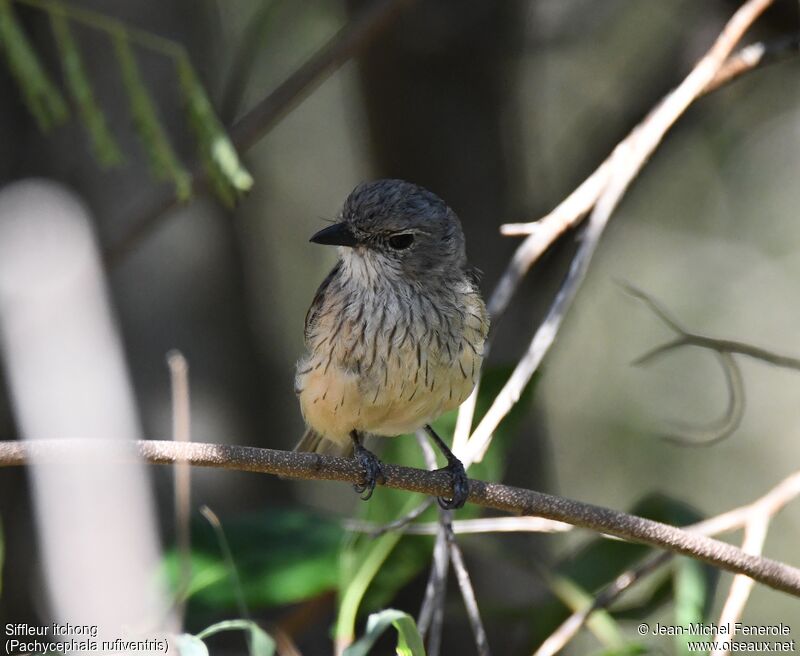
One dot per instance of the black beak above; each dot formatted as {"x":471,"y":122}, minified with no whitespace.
{"x":338,"y":234}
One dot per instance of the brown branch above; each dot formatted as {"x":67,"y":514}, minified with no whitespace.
{"x":312,"y":466}
{"x":344,"y":45}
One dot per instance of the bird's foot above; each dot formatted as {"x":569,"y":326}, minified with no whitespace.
{"x":460,"y":482}
{"x":373,"y":471}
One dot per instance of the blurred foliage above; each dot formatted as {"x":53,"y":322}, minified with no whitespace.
{"x":282,"y":556}
{"x":105,"y":147}
{"x":41,"y":96}
{"x":163,"y":161}
{"x":229,"y":178}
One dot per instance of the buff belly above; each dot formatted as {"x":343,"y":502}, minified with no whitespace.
{"x":392,"y":400}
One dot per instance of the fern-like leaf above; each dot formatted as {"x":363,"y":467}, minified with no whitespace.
{"x":227,"y":174}
{"x":105,"y":147}
{"x":40,"y":94}
{"x":163,"y":160}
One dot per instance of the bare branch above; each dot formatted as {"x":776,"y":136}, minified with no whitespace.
{"x":473,"y":526}
{"x":755,"y":532}
{"x":465,"y":585}
{"x":756,"y":55}
{"x":312,"y":466}
{"x":181,"y":432}
{"x":687,"y":338}
{"x":603,"y":190}
{"x":431,"y":614}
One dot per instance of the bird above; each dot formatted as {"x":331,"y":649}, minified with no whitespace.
{"x":395,"y":333}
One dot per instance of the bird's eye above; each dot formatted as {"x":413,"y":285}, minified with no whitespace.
{"x":402,"y":241}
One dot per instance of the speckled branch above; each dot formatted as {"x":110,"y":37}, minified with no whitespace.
{"x":311,"y":466}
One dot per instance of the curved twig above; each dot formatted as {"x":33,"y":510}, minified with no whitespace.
{"x":731,"y":419}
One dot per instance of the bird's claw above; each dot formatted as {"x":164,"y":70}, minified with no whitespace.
{"x":373,"y":472}
{"x":460,"y":483}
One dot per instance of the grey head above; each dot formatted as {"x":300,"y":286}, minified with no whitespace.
{"x":398,"y":228}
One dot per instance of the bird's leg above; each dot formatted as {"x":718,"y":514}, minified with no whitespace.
{"x":368,"y":461}
{"x":456,"y":471}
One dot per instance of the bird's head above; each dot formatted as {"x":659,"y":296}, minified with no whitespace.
{"x":396,"y":228}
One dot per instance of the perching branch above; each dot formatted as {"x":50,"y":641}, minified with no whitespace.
{"x":312,"y":466}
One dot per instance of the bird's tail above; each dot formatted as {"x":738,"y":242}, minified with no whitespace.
{"x":313,"y":442}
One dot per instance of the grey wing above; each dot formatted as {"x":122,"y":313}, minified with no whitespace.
{"x":319,"y":298}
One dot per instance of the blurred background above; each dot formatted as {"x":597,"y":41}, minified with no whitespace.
{"x":500,"y":108}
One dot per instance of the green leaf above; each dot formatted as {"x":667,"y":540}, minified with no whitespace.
{"x":367,"y":561}
{"x":40,"y":94}
{"x":409,"y":641}
{"x":227,"y":174}
{"x":163,"y":160}
{"x":259,"y":641}
{"x":282,"y":556}
{"x":691,"y":597}
{"x":189,"y":645}
{"x":104,"y":145}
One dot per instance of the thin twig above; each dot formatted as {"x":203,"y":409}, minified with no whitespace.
{"x":724,"y":349}
{"x":687,"y":338}
{"x":506,"y":498}
{"x":431,"y":614}
{"x":756,"y":55}
{"x":402,"y":522}
{"x":726,"y":425}
{"x":227,"y":556}
{"x":473,"y":526}
{"x":620,"y":169}
{"x":567,"y":630}
{"x":345,"y":44}
{"x":181,"y":432}
{"x":465,"y":585}
{"x":766,"y":506}
{"x":755,"y":533}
